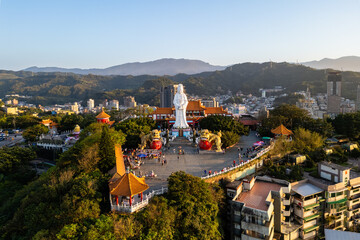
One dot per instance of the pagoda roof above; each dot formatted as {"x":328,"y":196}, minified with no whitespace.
{"x":281,"y":130}
{"x":128,"y":185}
{"x":102,"y":115}
{"x":166,"y":110}
{"x":195,"y":106}
{"x":46,"y":121}
{"x":215,"y":110}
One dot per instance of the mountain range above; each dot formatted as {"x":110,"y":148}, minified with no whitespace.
{"x":161,"y":67}
{"x":349,"y":63}
{"x":56,"y":87}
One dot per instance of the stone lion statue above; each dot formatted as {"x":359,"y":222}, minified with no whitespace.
{"x":148,"y":138}
{"x":211,"y":137}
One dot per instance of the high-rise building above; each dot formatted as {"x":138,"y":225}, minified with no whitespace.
{"x":129,"y":102}
{"x":90,"y":104}
{"x":113,"y":104}
{"x":167,"y":96}
{"x":334,"y":93}
{"x":74,"y":107}
{"x":210,"y":102}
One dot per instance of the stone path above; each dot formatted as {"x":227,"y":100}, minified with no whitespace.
{"x":193,"y":163}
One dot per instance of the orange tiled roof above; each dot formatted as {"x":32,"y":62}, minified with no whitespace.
{"x":281,"y":130}
{"x":103,"y":115}
{"x":195,"y":106}
{"x":46,"y":121}
{"x":215,"y":110}
{"x":163,"y":111}
{"x":128,"y":185}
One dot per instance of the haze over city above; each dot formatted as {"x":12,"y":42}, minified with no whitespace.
{"x":99,"y":34}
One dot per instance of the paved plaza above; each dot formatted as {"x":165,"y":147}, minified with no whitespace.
{"x":192,"y":162}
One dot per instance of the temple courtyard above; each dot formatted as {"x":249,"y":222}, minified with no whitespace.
{"x":192,"y":162}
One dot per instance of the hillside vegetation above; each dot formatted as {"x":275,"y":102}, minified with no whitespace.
{"x":247,"y":77}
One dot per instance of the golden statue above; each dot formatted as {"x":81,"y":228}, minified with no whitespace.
{"x":148,"y":138}
{"x":205,"y":134}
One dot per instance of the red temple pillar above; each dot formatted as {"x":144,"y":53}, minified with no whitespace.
{"x":141,"y":196}
{"x":130,"y":201}
{"x":117,"y":200}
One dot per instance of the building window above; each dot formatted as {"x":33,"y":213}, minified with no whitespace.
{"x":237,"y":213}
{"x":237,"y":226}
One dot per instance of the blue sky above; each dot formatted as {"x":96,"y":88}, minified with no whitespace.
{"x":94,"y":33}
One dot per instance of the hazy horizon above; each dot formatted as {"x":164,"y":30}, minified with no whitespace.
{"x":93,"y":34}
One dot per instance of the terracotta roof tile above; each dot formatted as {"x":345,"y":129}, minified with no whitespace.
{"x":215,"y":110}
{"x":195,"y":106}
{"x":281,"y":130}
{"x":128,"y":185}
{"x":163,"y":111}
{"x":103,"y":115}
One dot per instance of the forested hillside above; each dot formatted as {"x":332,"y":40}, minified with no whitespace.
{"x":247,"y":77}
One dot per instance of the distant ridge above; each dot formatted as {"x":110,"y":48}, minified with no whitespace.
{"x":165,"y":66}
{"x":348,"y":63}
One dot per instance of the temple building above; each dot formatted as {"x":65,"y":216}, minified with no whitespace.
{"x":281,"y":131}
{"x":103,"y":117}
{"x":195,"y":110}
{"x":126,"y":189}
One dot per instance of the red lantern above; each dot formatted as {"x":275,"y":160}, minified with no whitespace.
{"x":205,"y":145}
{"x":156,"y":144}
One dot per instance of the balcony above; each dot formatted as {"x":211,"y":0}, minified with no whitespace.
{"x":286,"y":202}
{"x":311,"y":206}
{"x":265,"y":230}
{"x":286,"y":213}
{"x":310,"y":202}
{"x":310,"y":229}
{"x":306,"y":219}
{"x":343,"y":208}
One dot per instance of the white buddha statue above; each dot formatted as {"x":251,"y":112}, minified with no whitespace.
{"x":180,"y":103}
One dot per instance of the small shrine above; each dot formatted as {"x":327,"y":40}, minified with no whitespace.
{"x":281,"y":131}
{"x":126,"y":189}
{"x":76,"y":131}
{"x":103,"y":117}
{"x":51,"y":125}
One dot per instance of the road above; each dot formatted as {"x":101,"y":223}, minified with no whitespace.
{"x":12,"y":139}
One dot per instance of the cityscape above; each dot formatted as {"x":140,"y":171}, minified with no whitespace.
{"x":240,"y":134}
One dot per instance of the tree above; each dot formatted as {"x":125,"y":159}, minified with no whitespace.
{"x":348,"y":124}
{"x":26,"y":121}
{"x":229,"y":138}
{"x":11,"y":158}
{"x":31,"y":134}
{"x":68,"y":122}
{"x":158,"y":220}
{"x":196,"y":205}
{"x":293,"y":117}
{"x":230,"y":129}
{"x":133,"y":128}
{"x":306,"y":141}
{"x":106,"y":150}
{"x":223,"y":123}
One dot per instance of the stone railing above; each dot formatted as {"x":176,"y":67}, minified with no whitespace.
{"x":49,"y":145}
{"x":258,"y":155}
{"x":137,"y":206}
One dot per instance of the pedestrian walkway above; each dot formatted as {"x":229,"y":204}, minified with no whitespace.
{"x":194,"y":163}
